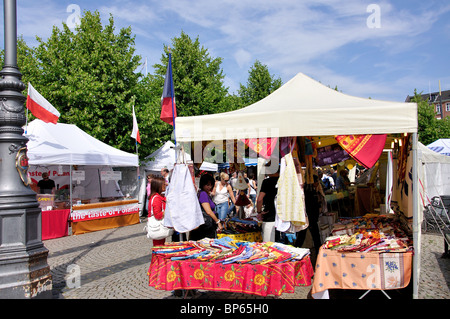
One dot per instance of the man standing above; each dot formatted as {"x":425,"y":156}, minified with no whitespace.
{"x":46,"y":185}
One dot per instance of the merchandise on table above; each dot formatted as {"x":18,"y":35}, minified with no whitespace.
{"x":226,"y":250}
{"x":377,"y":233}
{"x":240,"y":226}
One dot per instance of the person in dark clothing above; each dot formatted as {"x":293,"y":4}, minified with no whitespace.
{"x":312,"y":205}
{"x":265,"y":205}
{"x":46,"y":185}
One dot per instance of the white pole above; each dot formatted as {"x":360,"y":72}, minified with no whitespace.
{"x":416,"y":222}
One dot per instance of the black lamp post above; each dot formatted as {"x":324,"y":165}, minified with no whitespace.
{"x":24,"y":272}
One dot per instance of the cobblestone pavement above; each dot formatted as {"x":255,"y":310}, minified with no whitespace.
{"x":113,"y":264}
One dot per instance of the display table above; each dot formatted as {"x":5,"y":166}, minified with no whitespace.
{"x":100,"y":216}
{"x":262,"y":280}
{"x":356,"y":270}
{"x":55,"y":223}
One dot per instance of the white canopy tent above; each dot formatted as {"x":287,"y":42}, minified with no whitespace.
{"x":436,"y":172}
{"x":66,"y":144}
{"x":301,"y":107}
{"x":51,"y":146}
{"x":163,"y":157}
{"x":441,"y":146}
{"x":305,"y":107}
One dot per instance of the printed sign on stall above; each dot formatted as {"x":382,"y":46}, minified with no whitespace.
{"x":103,"y":212}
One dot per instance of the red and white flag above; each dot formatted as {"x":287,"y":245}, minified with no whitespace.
{"x":40,"y":107}
{"x":135,"y":132}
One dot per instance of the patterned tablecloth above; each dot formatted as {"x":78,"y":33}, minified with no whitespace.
{"x":365,"y":271}
{"x":262,"y":280}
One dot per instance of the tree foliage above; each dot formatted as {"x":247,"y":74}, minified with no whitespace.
{"x":88,"y":75}
{"x":260,"y":83}
{"x":430,"y":129}
{"x":198,"y":86}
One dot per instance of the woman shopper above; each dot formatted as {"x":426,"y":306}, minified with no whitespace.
{"x":157,"y":203}
{"x":208,"y":229}
{"x":222,"y":193}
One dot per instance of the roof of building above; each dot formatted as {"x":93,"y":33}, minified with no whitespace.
{"x":432,"y":97}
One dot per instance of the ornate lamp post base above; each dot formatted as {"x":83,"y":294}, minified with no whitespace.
{"x":24,"y":272}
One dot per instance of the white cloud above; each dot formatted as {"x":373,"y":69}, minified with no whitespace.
{"x":242,"y":57}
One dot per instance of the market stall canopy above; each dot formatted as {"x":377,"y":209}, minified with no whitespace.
{"x":441,"y":146}
{"x":163,"y":157}
{"x":210,"y":167}
{"x":436,"y":171}
{"x":301,"y":107}
{"x":66,"y":144}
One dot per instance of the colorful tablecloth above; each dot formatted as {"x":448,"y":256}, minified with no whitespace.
{"x":366,"y":271}
{"x":262,"y":280}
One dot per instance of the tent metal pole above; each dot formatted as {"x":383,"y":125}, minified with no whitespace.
{"x":416,"y":222}
{"x":70,"y":189}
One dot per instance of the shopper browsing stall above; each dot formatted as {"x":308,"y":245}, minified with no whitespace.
{"x":157,"y":203}
{"x":212,"y":222}
{"x":222,"y":194}
{"x":265,"y":207}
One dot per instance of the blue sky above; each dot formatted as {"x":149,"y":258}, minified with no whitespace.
{"x":378,"y":49}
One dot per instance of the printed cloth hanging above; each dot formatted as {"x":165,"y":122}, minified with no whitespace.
{"x":262,"y":146}
{"x":290,"y":201}
{"x":365,"y":149}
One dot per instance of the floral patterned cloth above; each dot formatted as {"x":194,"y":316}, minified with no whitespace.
{"x":262,"y":280}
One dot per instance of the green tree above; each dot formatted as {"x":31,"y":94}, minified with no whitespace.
{"x":89,"y":76}
{"x":430,"y":129}
{"x":198,"y":86}
{"x":259,"y":84}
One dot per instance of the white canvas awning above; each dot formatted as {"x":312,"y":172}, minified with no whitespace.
{"x":301,"y":107}
{"x":163,"y":157}
{"x":66,"y":144}
{"x":441,"y":146}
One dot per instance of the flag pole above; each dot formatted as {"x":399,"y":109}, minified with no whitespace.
{"x":173,"y":98}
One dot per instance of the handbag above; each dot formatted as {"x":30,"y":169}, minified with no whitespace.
{"x":155,"y":228}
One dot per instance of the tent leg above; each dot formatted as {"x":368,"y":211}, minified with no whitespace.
{"x":416,"y":222}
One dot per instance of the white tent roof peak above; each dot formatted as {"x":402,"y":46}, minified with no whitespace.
{"x":302,"y":107}
{"x":66,"y":144}
{"x":163,"y":157}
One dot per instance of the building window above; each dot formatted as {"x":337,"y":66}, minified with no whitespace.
{"x":447,"y":107}
{"x":438,"y":108}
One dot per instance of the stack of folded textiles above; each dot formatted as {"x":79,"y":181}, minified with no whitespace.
{"x":377,"y":233}
{"x":226,"y":250}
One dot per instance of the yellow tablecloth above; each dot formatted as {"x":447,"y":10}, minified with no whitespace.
{"x":253,"y":236}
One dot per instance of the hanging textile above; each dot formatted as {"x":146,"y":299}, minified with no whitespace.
{"x":183,"y":211}
{"x":290,"y":201}
{"x":365,"y":149}
{"x":262,"y":146}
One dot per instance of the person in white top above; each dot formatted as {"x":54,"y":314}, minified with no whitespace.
{"x":222,"y":193}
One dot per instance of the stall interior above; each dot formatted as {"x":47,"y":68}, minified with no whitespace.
{"x":355,"y":171}
{"x":62,"y":190}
